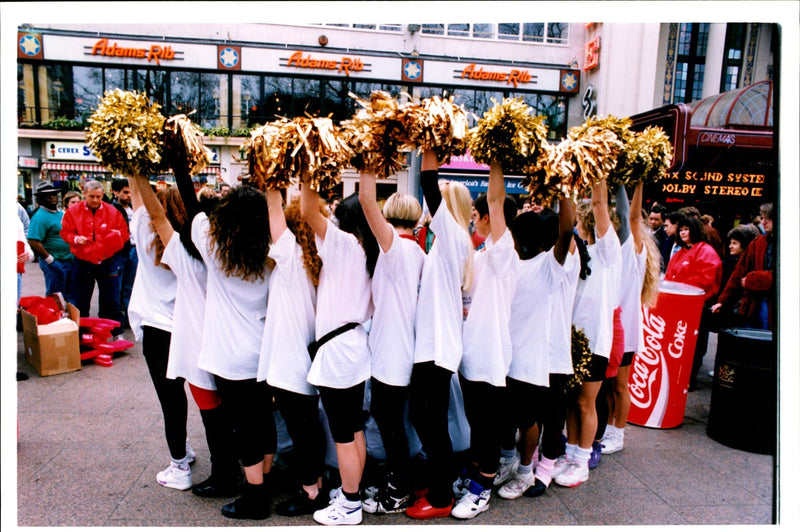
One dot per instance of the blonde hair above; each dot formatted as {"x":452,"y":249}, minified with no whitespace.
{"x":459,"y":203}
{"x":652,"y":271}
{"x":585,"y":216}
{"x":402,"y":210}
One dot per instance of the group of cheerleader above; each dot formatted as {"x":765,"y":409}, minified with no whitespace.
{"x":259,"y":299}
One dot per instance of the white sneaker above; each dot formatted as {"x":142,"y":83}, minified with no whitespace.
{"x":574,"y":475}
{"x":519,"y":484}
{"x":335,"y":492}
{"x":471,"y":505}
{"x":506,"y":469}
{"x":561,"y":465}
{"x":611,"y":444}
{"x":339,"y":512}
{"x":175,"y":477}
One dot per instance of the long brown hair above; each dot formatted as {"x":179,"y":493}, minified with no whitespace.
{"x":239,"y":230}
{"x":176,"y":214}
{"x":305,"y":237}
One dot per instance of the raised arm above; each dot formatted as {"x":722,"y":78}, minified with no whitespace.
{"x":566,"y":225}
{"x":623,"y":211}
{"x":309,"y":208}
{"x":142,"y":195}
{"x":369,"y":203}
{"x":186,"y":188}
{"x":429,"y":180}
{"x":496,"y":197}
{"x":636,"y":217}
{"x":277,"y":219}
{"x":602,"y":219}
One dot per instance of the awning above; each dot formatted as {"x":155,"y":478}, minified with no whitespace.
{"x":74,"y":167}
{"x":96,"y":168}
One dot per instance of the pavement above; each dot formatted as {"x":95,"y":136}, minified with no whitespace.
{"x":90,"y":442}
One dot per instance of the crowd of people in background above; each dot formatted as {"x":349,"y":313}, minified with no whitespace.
{"x":347,"y":310}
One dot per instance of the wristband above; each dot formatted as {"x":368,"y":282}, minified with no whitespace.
{"x":49,"y":259}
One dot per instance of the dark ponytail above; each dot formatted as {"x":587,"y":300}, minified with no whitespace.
{"x":583,"y":253}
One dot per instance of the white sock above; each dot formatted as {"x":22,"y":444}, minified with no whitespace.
{"x":525,"y":469}
{"x":582,"y":456}
{"x":508,"y":453}
{"x":570,"y":452}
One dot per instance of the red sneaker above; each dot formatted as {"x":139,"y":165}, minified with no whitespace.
{"x":422,"y":509}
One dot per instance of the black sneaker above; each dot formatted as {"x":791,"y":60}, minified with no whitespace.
{"x":213,"y":487}
{"x":253,"y":504}
{"x":387,"y":501}
{"x":299,"y":504}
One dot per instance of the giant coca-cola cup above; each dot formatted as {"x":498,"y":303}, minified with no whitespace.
{"x":659,"y":376}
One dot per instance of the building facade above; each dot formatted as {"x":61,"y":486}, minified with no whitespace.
{"x":233,"y":77}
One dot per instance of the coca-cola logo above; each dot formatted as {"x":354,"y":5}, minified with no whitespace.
{"x":675,"y":349}
{"x":647,"y":363}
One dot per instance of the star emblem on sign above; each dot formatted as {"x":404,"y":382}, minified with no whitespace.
{"x":228,"y":57}
{"x":569,"y":81}
{"x":412,"y":70}
{"x":29,"y":45}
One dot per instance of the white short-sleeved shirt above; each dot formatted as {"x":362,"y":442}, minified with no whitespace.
{"x":561,"y":316}
{"x":486,"y":336}
{"x":598,"y":295}
{"x":539,"y":283}
{"x":344,"y":295}
{"x":289,"y":327}
{"x":234,"y":319}
{"x":395,"y":285}
{"x":633,"y":269}
{"x":190,"y":306}
{"x":153,"y":295}
{"x":440,"y":306}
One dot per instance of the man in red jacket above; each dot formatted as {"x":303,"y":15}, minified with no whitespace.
{"x":95,"y":231}
{"x":751,"y":284}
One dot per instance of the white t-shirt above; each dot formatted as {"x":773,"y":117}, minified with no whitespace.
{"x":633,"y":268}
{"x":289,"y":326}
{"x":486,"y":337}
{"x":395,"y":285}
{"x":153,"y":295}
{"x":190,"y":306}
{"x":598,"y":295}
{"x":344,"y":295}
{"x":440,"y":307}
{"x":235,"y":312}
{"x":561,"y":316}
{"x":540,"y":281}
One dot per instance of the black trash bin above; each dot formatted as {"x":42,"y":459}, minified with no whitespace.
{"x":743,"y":412}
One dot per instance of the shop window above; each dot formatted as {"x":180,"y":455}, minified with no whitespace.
{"x":335,"y":100}
{"x":154,"y":83}
{"x":306,"y":98}
{"x":184,"y":92}
{"x":483,"y":31}
{"x":458,"y":30}
{"x":690,"y":64}
{"x":553,"y":108}
{"x":277,"y":99}
{"x":209,"y":111}
{"x":557,"y":32}
{"x":364,"y":26}
{"x":88,"y":89}
{"x":60,"y":99}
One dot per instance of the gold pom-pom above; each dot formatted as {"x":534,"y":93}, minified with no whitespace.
{"x":183,"y":145}
{"x":376,"y":135}
{"x":581,"y":357}
{"x":436,"y":124}
{"x":125,"y":133}
{"x":307,"y":150}
{"x":509,"y":134}
{"x":656,"y":154}
{"x":623,"y":171}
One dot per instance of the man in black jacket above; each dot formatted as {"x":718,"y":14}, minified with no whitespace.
{"x":129,"y":259}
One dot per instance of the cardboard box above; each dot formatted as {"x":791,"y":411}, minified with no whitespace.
{"x":53,"y":348}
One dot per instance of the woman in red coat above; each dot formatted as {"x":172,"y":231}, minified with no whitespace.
{"x":696,"y":264}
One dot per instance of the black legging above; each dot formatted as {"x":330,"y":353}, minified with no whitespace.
{"x":301,"y":415}
{"x":481,"y":401}
{"x":387,"y":406}
{"x":249,"y":403}
{"x":429,"y":401}
{"x":554,"y":415}
{"x":171,"y":392}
